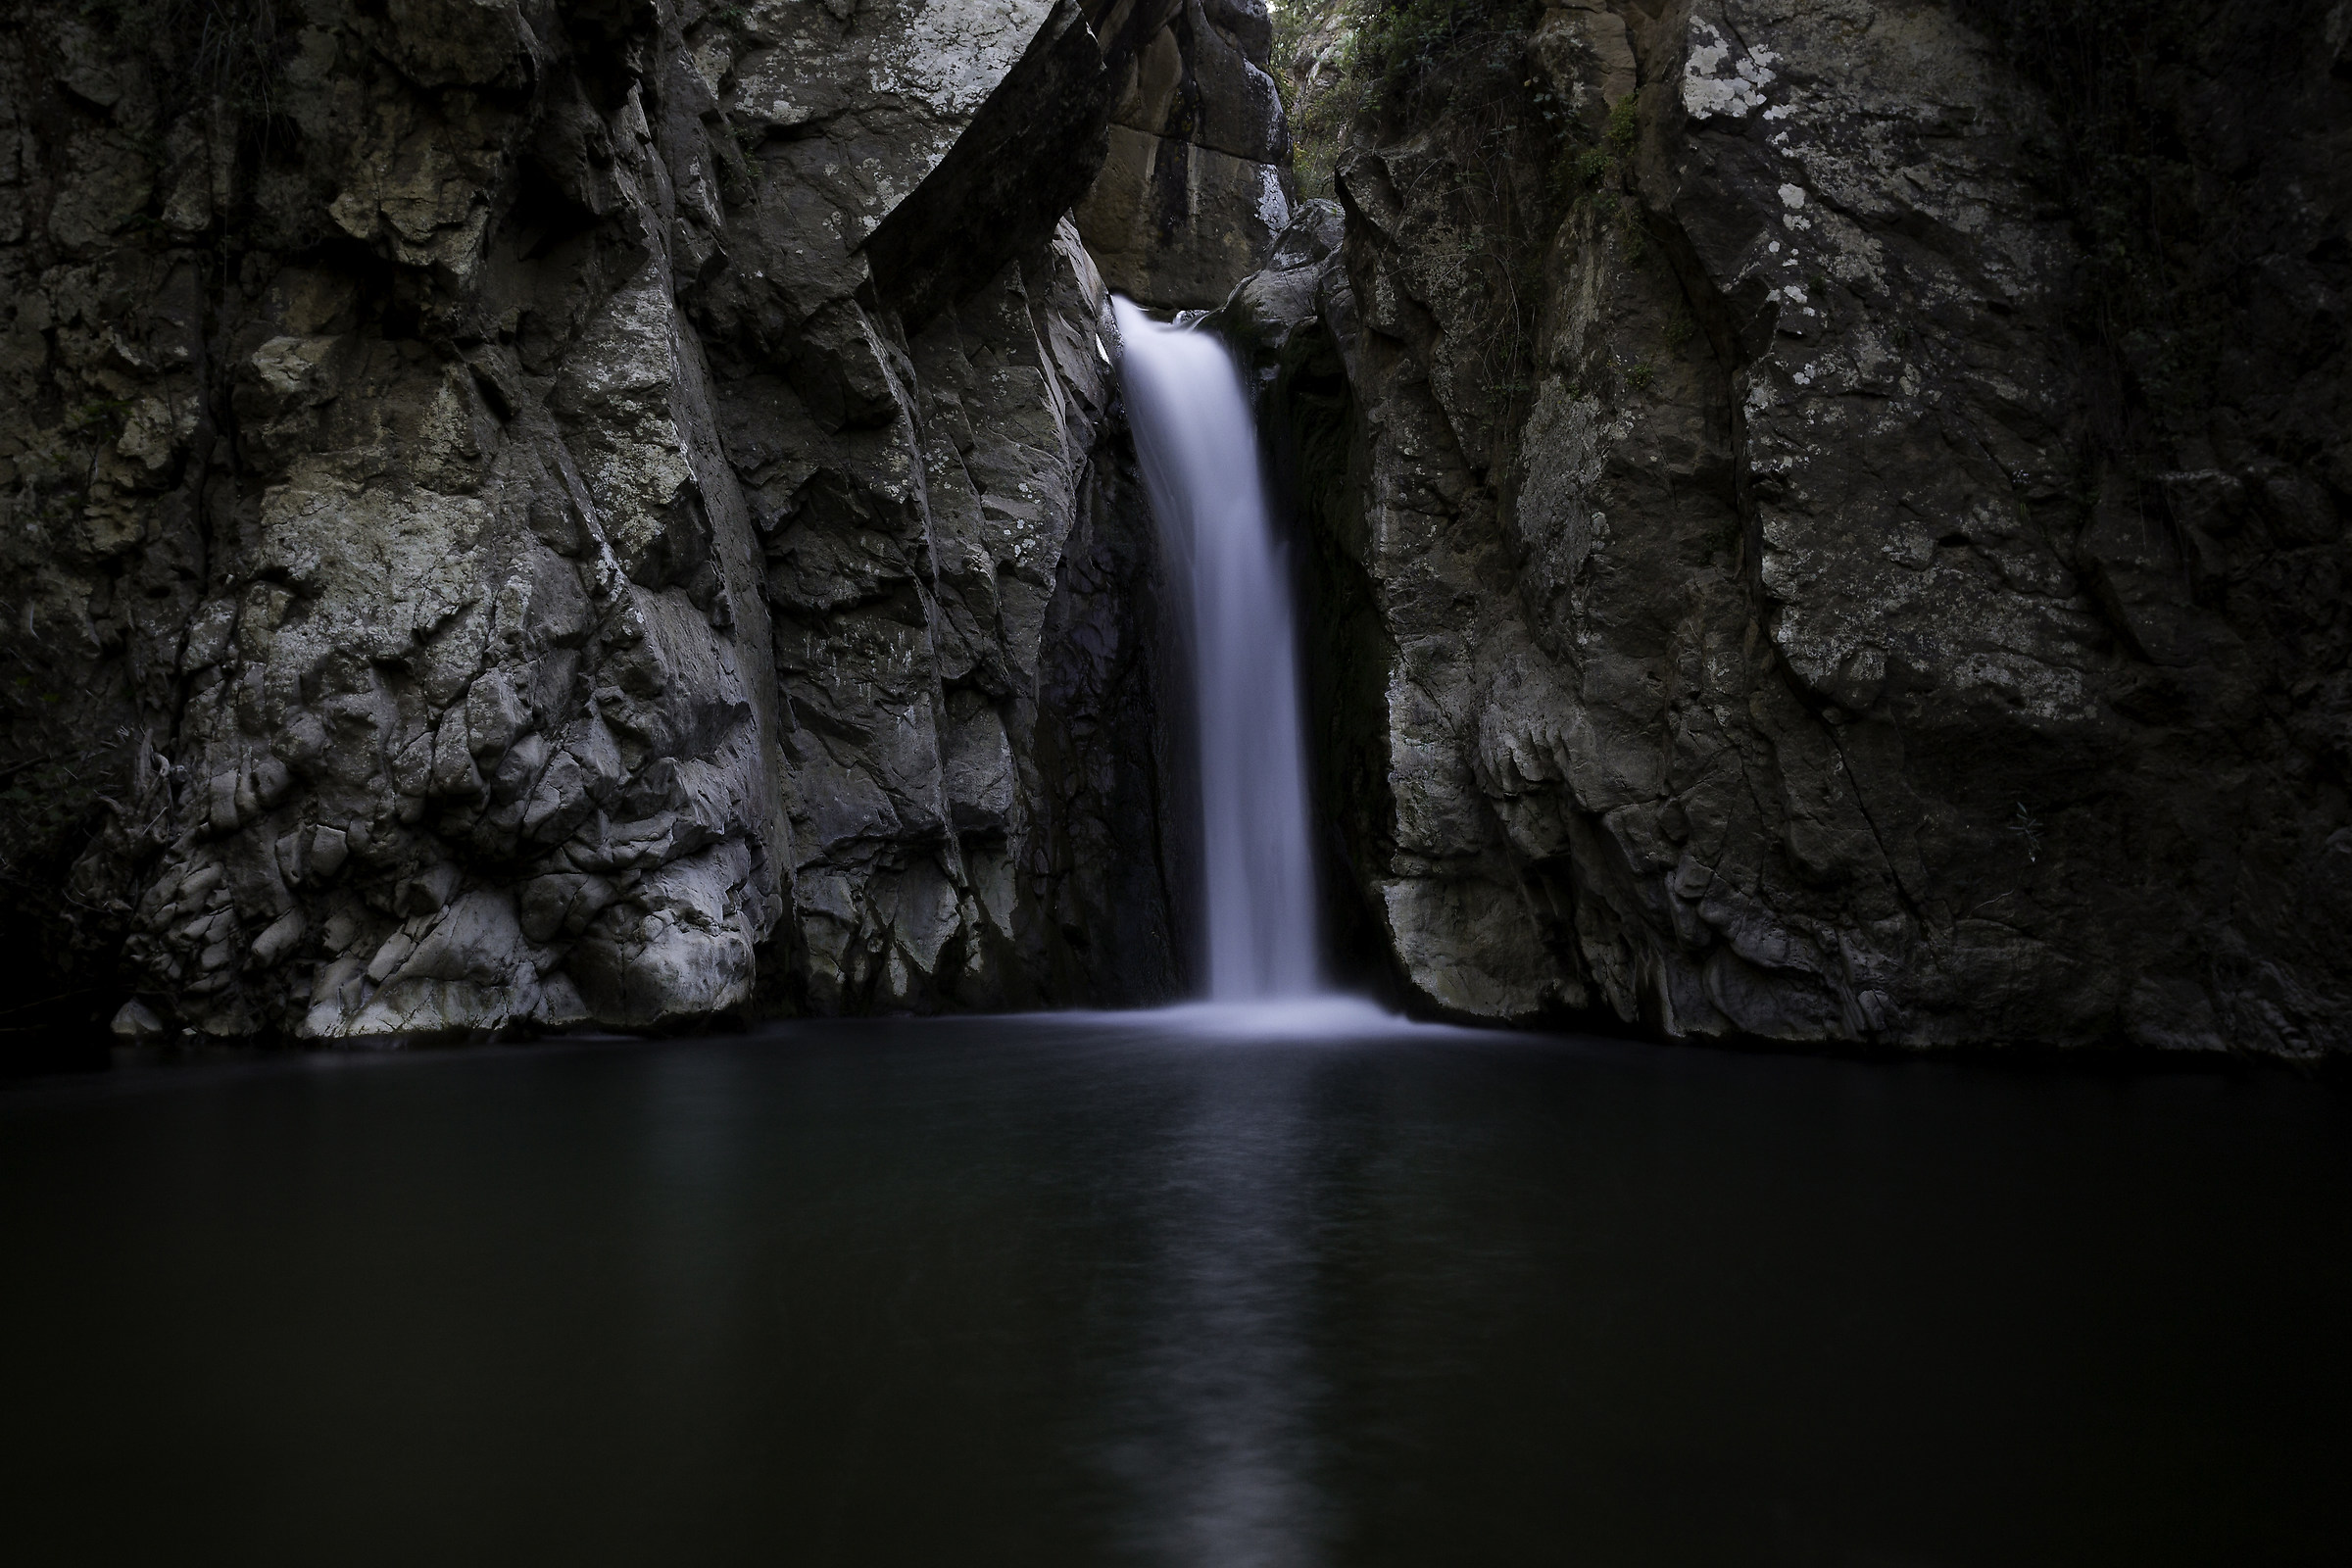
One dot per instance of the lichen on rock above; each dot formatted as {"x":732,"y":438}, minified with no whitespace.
{"x":530,"y":515}
{"x":1811,"y":636}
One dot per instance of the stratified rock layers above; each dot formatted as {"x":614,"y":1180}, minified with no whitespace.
{"x":536,"y":514}
{"x":1753,"y":602}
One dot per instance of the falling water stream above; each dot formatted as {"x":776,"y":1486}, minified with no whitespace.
{"x":1199,"y":448}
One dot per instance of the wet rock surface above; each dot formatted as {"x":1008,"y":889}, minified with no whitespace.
{"x":524,"y":515}
{"x":1765,"y":591}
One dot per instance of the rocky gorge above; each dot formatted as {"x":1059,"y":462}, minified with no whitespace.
{"x":1817,"y":523}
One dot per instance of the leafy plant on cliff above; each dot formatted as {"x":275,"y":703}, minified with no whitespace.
{"x":1402,"y":44}
{"x":1315,"y":60}
{"x":1337,"y":59}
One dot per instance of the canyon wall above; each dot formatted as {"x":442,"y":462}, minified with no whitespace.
{"x":1820,"y":523}
{"x":1827,"y":519}
{"x":527,"y":514}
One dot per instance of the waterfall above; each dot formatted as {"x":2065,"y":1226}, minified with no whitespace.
{"x":1199,"y":448}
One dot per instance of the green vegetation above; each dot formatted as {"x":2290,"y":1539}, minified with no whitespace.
{"x":1500,"y":161}
{"x":1625,"y":125}
{"x":106,"y":416}
{"x":1337,"y":59}
{"x":1315,"y":60}
{"x":1402,"y":43}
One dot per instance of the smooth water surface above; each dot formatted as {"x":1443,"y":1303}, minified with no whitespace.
{"x":1198,"y":448}
{"x":1170,"y":1291}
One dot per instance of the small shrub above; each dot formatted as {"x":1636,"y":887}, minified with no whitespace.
{"x":1314,"y":87}
{"x":1400,"y":43}
{"x":104,"y":414}
{"x":1625,"y":125}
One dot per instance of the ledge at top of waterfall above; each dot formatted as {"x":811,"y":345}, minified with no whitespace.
{"x":1199,"y":451}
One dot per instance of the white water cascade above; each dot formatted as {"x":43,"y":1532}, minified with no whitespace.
{"x":1199,"y":450}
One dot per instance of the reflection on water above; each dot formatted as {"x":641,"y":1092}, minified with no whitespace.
{"x":1212,"y":1427}
{"x":1204,"y":1289}
{"x":1214,"y":1433}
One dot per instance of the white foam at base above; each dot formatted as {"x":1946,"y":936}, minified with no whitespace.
{"x":1313,"y":1018}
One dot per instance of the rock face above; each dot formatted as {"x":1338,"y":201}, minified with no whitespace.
{"x":1197,"y":181}
{"x":1822,"y":524}
{"x":527,"y":514}
{"x":1779,"y":576}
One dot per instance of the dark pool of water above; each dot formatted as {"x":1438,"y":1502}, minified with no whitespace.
{"x":1048,"y":1293}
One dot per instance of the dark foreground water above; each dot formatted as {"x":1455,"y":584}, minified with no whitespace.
{"x":1094,"y":1293}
